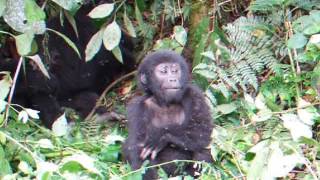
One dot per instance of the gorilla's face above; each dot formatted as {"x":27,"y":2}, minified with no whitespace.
{"x":167,"y":77}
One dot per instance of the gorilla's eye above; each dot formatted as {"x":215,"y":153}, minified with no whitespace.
{"x":164,"y":70}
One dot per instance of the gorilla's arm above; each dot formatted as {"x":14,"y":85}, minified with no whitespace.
{"x":196,"y":136}
{"x":136,"y":129}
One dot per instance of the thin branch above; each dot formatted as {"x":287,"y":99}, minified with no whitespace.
{"x":296,"y":108}
{"x":90,"y":115}
{"x":6,"y":115}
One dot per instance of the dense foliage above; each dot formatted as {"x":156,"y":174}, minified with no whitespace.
{"x":257,"y":62}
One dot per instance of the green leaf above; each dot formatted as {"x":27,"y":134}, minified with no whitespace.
{"x":2,"y":6}
{"x":45,"y":143}
{"x":117,"y":53}
{"x":4,"y":164}
{"x":297,"y":41}
{"x":101,"y":11}
{"x":36,"y":58}
{"x":208,"y":54}
{"x":23,"y":43}
{"x":33,"y":11}
{"x":72,"y":21}
{"x":307,"y":115}
{"x":258,"y":165}
{"x":70,"y":5}
{"x":312,"y":29}
{"x":279,"y":165}
{"x":110,"y":153}
{"x":94,"y":45}
{"x":68,"y":41}
{"x":15,"y":17}
{"x":25,"y":167}
{"x":262,"y":115}
{"x":111,"y":36}
{"x":129,"y":26}
{"x":44,"y":169}
{"x":5,"y":84}
{"x":84,"y":160}
{"x":226,"y":108}
{"x":60,"y":126}
{"x":180,"y":35}
{"x":296,"y":127}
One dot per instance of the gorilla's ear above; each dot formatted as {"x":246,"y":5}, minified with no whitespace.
{"x":143,"y":78}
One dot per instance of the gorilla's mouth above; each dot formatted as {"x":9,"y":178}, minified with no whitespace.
{"x":173,"y":89}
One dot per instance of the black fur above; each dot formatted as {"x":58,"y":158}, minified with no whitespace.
{"x":71,"y":77}
{"x":188,"y":140}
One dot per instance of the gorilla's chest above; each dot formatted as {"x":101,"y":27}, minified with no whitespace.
{"x":166,"y":116}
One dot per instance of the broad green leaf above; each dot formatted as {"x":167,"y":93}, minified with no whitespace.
{"x":206,"y":73}
{"x":36,"y":58}
{"x":279,"y":165}
{"x":226,"y":108}
{"x":94,"y":45}
{"x":296,"y":127}
{"x":258,"y":165}
{"x":312,"y":29}
{"x":262,"y":115}
{"x":84,"y":160}
{"x":129,"y":26}
{"x":208,"y":54}
{"x":33,"y":11}
{"x":2,"y":6}
{"x":111,"y":36}
{"x":5,"y":84}
{"x":113,"y":138}
{"x":45,"y":168}
{"x":70,"y":5}
{"x":60,"y":126}
{"x":260,"y":102}
{"x":45,"y":143}
{"x":72,"y":21}
{"x":15,"y":17}
{"x":23,"y":43}
{"x":101,"y":11}
{"x":297,"y":41}
{"x":24,"y":167}
{"x":315,"y":39}
{"x":307,"y":115}
{"x":138,"y":16}
{"x":3,"y":105}
{"x":180,"y":35}
{"x":201,"y":66}
{"x":68,"y":41}
{"x":5,"y":167}
{"x":117,"y":53}
{"x":211,"y":96}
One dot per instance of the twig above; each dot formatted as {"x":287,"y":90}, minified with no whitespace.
{"x":106,"y":91}
{"x":181,"y":13}
{"x":296,"y":108}
{"x":6,"y":115}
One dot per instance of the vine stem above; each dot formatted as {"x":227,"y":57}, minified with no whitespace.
{"x":34,"y":156}
{"x":161,"y":164}
{"x":6,"y":115}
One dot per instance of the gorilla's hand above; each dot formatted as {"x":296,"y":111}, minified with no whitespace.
{"x":153,"y":146}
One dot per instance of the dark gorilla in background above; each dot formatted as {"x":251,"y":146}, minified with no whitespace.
{"x":73,"y":82}
{"x":171,"y":121}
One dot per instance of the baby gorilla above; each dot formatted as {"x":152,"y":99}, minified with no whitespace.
{"x":171,"y":121}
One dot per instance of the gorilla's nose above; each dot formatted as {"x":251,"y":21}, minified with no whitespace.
{"x":172,"y":80}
